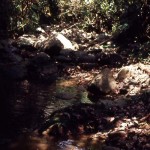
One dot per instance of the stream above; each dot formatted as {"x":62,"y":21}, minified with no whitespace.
{"x":25,"y":106}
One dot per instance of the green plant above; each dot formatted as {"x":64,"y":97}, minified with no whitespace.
{"x":25,"y":14}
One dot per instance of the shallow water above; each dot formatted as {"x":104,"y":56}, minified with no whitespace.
{"x":24,"y":106}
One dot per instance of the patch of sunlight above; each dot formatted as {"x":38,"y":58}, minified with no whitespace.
{"x":67,"y":83}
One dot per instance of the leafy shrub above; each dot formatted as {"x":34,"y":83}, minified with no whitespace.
{"x":126,"y":18}
{"x":26,"y":13}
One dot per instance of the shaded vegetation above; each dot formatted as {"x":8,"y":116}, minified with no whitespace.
{"x":128,"y":20}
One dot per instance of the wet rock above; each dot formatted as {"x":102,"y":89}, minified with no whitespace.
{"x":123,"y":73}
{"x":103,"y":83}
{"x":14,"y":71}
{"x":68,"y":55}
{"x":52,"y":45}
{"x":7,"y":52}
{"x":117,"y":137}
{"x":81,"y":118}
{"x":68,"y":145}
{"x":26,"y":42}
{"x":42,"y":69}
{"x":12,"y":65}
{"x":66,"y":43}
{"x":40,"y":59}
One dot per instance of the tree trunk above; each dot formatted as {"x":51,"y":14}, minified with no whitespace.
{"x":4,"y":18}
{"x":54,"y":9}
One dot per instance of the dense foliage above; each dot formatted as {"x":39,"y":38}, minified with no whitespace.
{"x":128,"y":19}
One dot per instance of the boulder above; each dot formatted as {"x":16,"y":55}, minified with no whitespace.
{"x":42,"y":69}
{"x":14,"y":71}
{"x":50,"y":44}
{"x":12,"y":65}
{"x":103,"y":84}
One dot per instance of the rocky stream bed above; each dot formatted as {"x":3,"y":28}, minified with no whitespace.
{"x":81,"y":96}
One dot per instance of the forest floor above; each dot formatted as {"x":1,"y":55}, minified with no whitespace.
{"x":124,"y":120}
{"x":129,"y":126}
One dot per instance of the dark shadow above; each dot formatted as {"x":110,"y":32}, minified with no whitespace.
{"x":92,"y":118}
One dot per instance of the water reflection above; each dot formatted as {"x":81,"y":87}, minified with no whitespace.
{"x":32,"y":142}
{"x":24,"y":106}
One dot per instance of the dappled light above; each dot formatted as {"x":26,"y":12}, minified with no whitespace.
{"x":74,"y":75}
